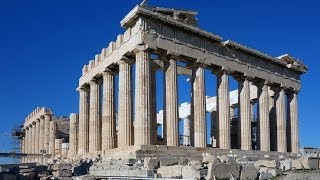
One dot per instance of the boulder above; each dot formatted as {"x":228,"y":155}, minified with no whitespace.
{"x":285,"y":165}
{"x":267,"y":163}
{"x":223,"y":170}
{"x":174,"y":171}
{"x":169,"y":161}
{"x":151,"y":163}
{"x":248,"y":172}
{"x":189,"y":172}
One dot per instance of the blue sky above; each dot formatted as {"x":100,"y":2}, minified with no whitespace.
{"x":44,"y":44}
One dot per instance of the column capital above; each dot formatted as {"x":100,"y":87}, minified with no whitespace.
{"x":141,"y":48}
{"x":108,"y":71}
{"x":261,"y":82}
{"x":221,"y":71}
{"x":82,"y":88}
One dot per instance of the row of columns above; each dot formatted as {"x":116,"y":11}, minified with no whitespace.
{"x":37,"y":138}
{"x":100,"y":132}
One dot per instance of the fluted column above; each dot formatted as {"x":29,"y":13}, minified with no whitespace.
{"x":73,"y":134}
{"x":52,"y":138}
{"x":34,"y":138}
{"x":186,"y":130}
{"x":263,"y":124}
{"x":108,"y":112}
{"x":153,"y":97}
{"x":172,"y":103}
{"x":125,"y":123}
{"x":83,"y":121}
{"x":294,"y":124}
{"x":142,"y":99}
{"x":273,"y":124}
{"x":199,"y":100}
{"x":94,"y":118}
{"x":41,"y":134}
{"x":245,"y":112}
{"x":223,"y":105}
{"x":29,"y":142}
{"x":37,"y":149}
{"x":281,"y":120}
{"x":47,"y":119}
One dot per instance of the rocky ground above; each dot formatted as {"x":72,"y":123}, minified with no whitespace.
{"x":169,"y":166}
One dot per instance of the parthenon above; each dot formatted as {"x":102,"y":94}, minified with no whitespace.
{"x":157,"y":39}
{"x":169,"y":40}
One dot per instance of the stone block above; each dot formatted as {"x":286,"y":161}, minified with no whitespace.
{"x":176,"y":148}
{"x":62,"y":166}
{"x":267,"y":163}
{"x":146,"y":147}
{"x":195,"y":163}
{"x":296,"y":164}
{"x":183,"y":161}
{"x":162,"y":147}
{"x":269,"y":173}
{"x":285,"y":165}
{"x":189,"y":172}
{"x":309,"y":163}
{"x":169,"y":161}
{"x":170,"y":171}
{"x":223,"y":170}
{"x":249,"y":172}
{"x":151,"y":163}
{"x":209,"y":158}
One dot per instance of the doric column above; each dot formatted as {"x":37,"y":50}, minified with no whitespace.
{"x":94,"y":118}
{"x":245,"y":113}
{"x":125,"y":123}
{"x":199,"y":100}
{"x":73,"y":134}
{"x":172,"y":114}
{"x":47,"y":119}
{"x":153,"y":97}
{"x":294,"y":124}
{"x":29,"y":141}
{"x":263,"y":123}
{"x":186,"y":130}
{"x":142,"y":99}
{"x":52,"y":137}
{"x":108,"y":112}
{"x":37,"y":148}
{"x":223,"y":110}
{"x":34,"y":138}
{"x":281,"y":120}
{"x":273,"y":124}
{"x":83,"y":121}
{"x":41,"y":135}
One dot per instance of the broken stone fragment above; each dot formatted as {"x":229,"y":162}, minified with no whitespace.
{"x":223,"y":170}
{"x":189,"y":172}
{"x":174,"y":171}
{"x":151,"y":163}
{"x":248,"y":172}
{"x":267,"y":163}
{"x":169,"y":161}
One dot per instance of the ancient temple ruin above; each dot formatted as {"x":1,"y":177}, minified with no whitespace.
{"x":169,"y":40}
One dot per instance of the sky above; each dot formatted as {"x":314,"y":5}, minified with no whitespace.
{"x":44,"y":45}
